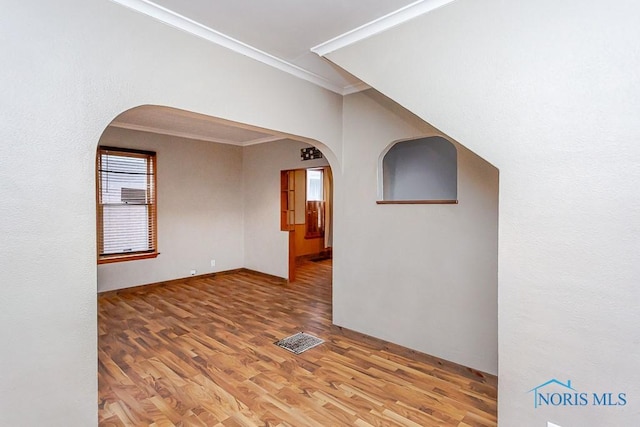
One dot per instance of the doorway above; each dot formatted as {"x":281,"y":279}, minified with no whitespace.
{"x":306,"y":214}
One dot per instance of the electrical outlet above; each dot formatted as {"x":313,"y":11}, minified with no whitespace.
{"x":213,"y":263}
{"x":550,"y":424}
{"x":193,"y":272}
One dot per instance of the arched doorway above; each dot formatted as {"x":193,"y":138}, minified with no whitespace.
{"x":217,"y":209}
{"x":218,"y":203}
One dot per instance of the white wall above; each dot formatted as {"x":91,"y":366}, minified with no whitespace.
{"x":266,"y":247}
{"x":423,"y":276}
{"x":70,"y":67}
{"x":548,"y":91}
{"x":200,"y":209}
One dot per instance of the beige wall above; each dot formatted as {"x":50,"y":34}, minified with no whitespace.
{"x":200,"y":209}
{"x":423,"y":276}
{"x":548,"y":91}
{"x":266,"y":247}
{"x":72,"y":66}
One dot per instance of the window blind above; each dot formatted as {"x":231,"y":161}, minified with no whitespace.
{"x":126,"y":203}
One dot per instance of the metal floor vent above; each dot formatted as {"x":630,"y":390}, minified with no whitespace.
{"x":299,"y":342}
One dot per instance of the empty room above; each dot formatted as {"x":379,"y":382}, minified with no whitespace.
{"x":334,"y":213}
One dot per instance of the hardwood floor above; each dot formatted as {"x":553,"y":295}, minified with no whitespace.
{"x":201,"y":353}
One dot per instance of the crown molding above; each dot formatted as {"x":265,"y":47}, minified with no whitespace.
{"x":263,"y":140}
{"x":188,"y":135}
{"x":170,"y":132}
{"x":355,"y":88}
{"x":176,"y":20}
{"x":379,"y":25}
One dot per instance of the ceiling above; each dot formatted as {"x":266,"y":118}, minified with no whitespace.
{"x":186,"y":124}
{"x":288,"y":34}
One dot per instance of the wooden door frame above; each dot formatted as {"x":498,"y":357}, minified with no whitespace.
{"x":287,"y":185}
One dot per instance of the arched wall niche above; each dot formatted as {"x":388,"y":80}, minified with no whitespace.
{"x":419,"y":170}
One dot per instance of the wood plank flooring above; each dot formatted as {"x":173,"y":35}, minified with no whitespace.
{"x":201,"y":353}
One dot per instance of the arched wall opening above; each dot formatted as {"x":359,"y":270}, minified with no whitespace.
{"x":420,"y":170}
{"x":90,"y":71}
{"x":218,"y":194}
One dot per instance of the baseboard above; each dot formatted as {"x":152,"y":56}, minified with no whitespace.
{"x":379,"y":344}
{"x":170,"y":282}
{"x":188,"y":279}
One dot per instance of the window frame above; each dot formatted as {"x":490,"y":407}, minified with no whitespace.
{"x":314,"y":208}
{"x":151,"y":157}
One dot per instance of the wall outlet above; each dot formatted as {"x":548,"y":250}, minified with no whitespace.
{"x":550,"y":424}
{"x":193,"y":272}
{"x":213,"y":263}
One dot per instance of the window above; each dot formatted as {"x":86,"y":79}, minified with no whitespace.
{"x":314,"y":186}
{"x":126,"y":204}
{"x":315,"y":204}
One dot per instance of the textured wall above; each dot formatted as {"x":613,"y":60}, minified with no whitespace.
{"x":266,"y":247}
{"x":200,"y":209}
{"x":423,"y":276}
{"x":73,"y":67}
{"x":548,"y":91}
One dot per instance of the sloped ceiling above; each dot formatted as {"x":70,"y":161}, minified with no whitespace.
{"x":290,"y":35}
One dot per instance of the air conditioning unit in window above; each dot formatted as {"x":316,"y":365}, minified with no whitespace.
{"x":133,"y":196}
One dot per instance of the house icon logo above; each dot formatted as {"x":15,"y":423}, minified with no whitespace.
{"x":541,"y":398}
{"x":556,"y":393}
